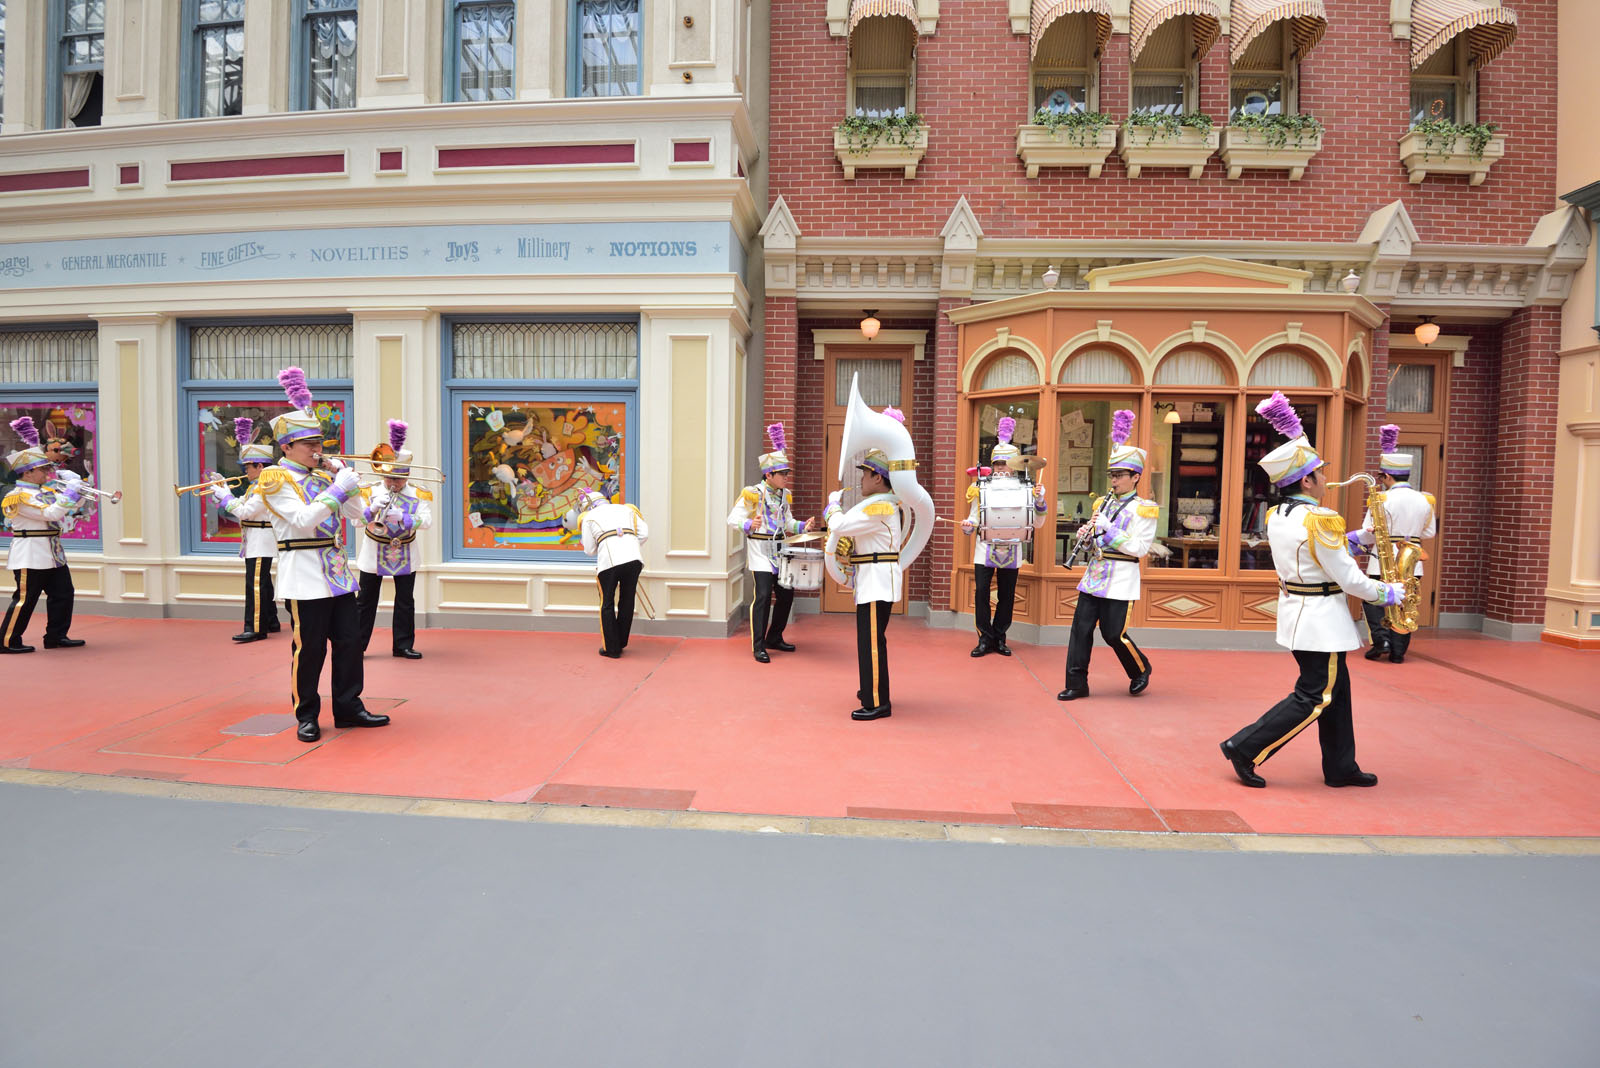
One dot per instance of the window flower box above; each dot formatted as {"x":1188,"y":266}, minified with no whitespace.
{"x":1258,"y":149}
{"x":891,"y":143}
{"x":1142,"y":146}
{"x":1040,"y":146}
{"x":1453,"y":150}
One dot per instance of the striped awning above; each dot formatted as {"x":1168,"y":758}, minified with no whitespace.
{"x":866,"y":9}
{"x":1489,"y":27}
{"x":1148,"y":15}
{"x":1046,"y":12}
{"x":1307,"y":22}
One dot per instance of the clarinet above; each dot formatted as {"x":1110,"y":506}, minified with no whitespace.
{"x":1082,"y":541}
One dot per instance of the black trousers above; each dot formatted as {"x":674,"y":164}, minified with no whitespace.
{"x":1395,"y":642}
{"x":1111,"y":616}
{"x":872,"y":652}
{"x":56,"y":584}
{"x":260,"y":609}
{"x":617,"y":591}
{"x":316,"y":624}
{"x":1321,"y":693}
{"x":994,"y":630}
{"x":405,"y":608}
{"x":769,"y":610}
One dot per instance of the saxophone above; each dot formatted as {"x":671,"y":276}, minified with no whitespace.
{"x":1393,"y":566}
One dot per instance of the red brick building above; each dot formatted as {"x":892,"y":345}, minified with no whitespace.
{"x":1027,"y":249}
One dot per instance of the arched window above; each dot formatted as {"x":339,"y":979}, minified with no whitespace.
{"x":1284,"y":369}
{"x":1096,"y":367}
{"x":1354,"y":381}
{"x":1009,"y":371}
{"x":1190,"y":367}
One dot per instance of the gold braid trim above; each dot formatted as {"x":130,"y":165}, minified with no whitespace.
{"x":12,"y":506}
{"x":879,"y":508}
{"x":1324,"y":529}
{"x":972,"y":492}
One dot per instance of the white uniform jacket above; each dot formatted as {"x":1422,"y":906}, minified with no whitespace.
{"x":304,"y":508}
{"x":1312,"y":559}
{"x":999,"y":554}
{"x":34,"y":514}
{"x":873,"y":526}
{"x":763,"y":515}
{"x":1115,"y":575}
{"x":256,"y":539}
{"x":393,"y":556}
{"x":612,"y":534}
{"x":1412,"y":517}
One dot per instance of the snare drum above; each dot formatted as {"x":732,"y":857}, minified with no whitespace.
{"x":1005,"y":510}
{"x":800,"y":568}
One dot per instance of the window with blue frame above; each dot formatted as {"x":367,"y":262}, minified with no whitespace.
{"x":325,"y":55}
{"x":78,"y":60}
{"x":213,"y":58}
{"x":606,"y":48}
{"x":482,"y":62}
{"x":230,"y":370}
{"x":537,"y":412}
{"x":49,"y":375}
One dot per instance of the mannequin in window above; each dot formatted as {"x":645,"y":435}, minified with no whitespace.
{"x":1412,"y":516}
{"x":997,"y":560}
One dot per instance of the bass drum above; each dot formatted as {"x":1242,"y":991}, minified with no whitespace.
{"x":1005,"y":510}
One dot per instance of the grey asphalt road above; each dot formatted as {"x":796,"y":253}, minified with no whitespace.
{"x":138,"y":931}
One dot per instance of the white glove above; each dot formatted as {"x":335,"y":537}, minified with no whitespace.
{"x":835,"y":497}
{"x":1393,"y":593}
{"x":1101,"y":523}
{"x":395,"y":516}
{"x":346,"y":481}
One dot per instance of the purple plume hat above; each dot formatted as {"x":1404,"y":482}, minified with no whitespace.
{"x":1121,"y":426}
{"x":1295,"y":458}
{"x":777,"y":459}
{"x":30,"y":456}
{"x":1277,"y":410}
{"x":243,"y":427}
{"x":302,"y":423}
{"x":397,"y":434}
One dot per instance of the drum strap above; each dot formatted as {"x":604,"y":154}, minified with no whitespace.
{"x":875,"y":558}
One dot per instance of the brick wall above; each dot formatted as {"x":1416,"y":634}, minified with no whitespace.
{"x":1465,"y":541}
{"x":972,"y":88}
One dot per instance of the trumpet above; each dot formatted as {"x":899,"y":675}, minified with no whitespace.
{"x":114,"y":497}
{"x":203,"y":488}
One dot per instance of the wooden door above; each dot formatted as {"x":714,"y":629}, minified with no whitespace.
{"x":836,"y":598}
{"x":1418,"y":403}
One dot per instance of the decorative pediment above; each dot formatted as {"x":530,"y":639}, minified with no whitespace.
{"x":780,"y":230}
{"x":1390,"y":229}
{"x":1201,"y":273}
{"x":961,"y":231}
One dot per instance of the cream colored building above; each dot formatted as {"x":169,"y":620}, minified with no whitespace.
{"x":534,"y":253}
{"x":1572,"y":599}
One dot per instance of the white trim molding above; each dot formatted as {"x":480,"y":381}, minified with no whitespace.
{"x":917,"y":339}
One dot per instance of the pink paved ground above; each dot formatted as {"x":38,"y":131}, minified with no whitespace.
{"x":1471,"y":736}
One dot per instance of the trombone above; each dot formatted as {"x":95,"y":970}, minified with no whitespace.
{"x":205,"y":488}
{"x":374,"y":463}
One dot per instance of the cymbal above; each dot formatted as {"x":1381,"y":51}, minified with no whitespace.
{"x":1032,"y":463}
{"x":814,"y":535}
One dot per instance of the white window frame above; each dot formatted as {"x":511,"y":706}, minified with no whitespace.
{"x":1465,"y":79}
{"x":1288,"y":69}
{"x":1190,"y":73}
{"x":910,"y":72}
{"x":1091,"y":73}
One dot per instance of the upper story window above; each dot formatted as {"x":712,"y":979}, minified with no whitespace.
{"x":483,"y":50}
{"x":1166,"y":70}
{"x":883,"y":67}
{"x":1066,"y":59}
{"x":215,"y":58}
{"x":607,"y":48}
{"x":81,"y":57}
{"x":327,"y":51}
{"x":1450,"y":43}
{"x":1445,"y":86}
{"x":1270,"y":40}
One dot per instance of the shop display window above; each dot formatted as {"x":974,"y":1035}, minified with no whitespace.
{"x":71,"y":425}
{"x":1188,"y":459}
{"x":218,"y":450}
{"x":1259,"y":495}
{"x":1083,"y":449}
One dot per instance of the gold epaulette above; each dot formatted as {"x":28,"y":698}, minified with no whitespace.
{"x":366,"y":492}
{"x":1099,"y":502}
{"x":1148,"y":511}
{"x":1270,"y":513}
{"x":271,"y":481}
{"x":424,"y":495}
{"x":750,"y":497}
{"x":972,"y":492}
{"x":879,"y":508}
{"x":1325,"y":525}
{"x":635,"y":510}
{"x":1431,"y":502}
{"x":13,"y":503}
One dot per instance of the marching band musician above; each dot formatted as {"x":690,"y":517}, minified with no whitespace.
{"x":1314,"y":570}
{"x":873,"y":525}
{"x":613,"y":534}
{"x":1412,"y":516}
{"x":997,"y":560}
{"x":391,"y":515}
{"x":35,"y":513}
{"x":762,"y":514}
{"x":307,"y":506}
{"x":1124,"y":528}
{"x":258,"y":546}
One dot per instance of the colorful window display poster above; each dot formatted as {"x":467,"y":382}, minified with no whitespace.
{"x":67,"y":431}
{"x":526,"y":464}
{"x":219,"y":450}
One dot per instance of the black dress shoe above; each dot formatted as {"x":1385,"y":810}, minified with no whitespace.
{"x":762,"y":657}
{"x":870,"y":713}
{"x":1360,"y":778}
{"x":16,"y":648}
{"x":1397,"y":658}
{"x":408,"y":654}
{"x":782,"y":647}
{"x":983,"y":648}
{"x":1242,"y":767}
{"x":1072,"y":693}
{"x":1002,"y":648}
{"x":308,"y":732}
{"x":1376,"y":652}
{"x":63,"y":643}
{"x":611,"y":656}
{"x":361,"y":719}
{"x":250,"y":636}
{"x":273,"y":628}
{"x":1140,"y":682}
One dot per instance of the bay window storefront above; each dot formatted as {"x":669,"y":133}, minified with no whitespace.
{"x":1062,"y":363}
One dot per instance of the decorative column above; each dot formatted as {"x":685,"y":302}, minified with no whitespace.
{"x":266,"y":59}
{"x":143,"y":42}
{"x":27,"y":66}
{"x":401,"y":54}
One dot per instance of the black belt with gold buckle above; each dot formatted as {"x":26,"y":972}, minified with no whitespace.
{"x":1311,"y":589}
{"x":305,"y":543}
{"x":875,"y":558}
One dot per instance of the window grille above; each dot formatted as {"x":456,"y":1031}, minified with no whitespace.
{"x":259,"y":352}
{"x":608,"y":48}
{"x":218,"y":67}
{"x":545,"y":351}
{"x":330,"y":51}
{"x":485,"y":44}
{"x":49,"y":356}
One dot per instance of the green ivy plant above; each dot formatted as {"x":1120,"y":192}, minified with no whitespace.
{"x":1278,"y":130}
{"x":1443,"y":132}
{"x":862,"y":133}
{"x":1082,"y":127}
{"x":1159,"y":126}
